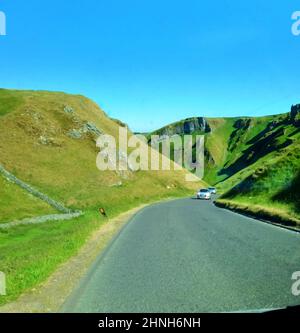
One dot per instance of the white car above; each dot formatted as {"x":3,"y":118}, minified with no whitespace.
{"x":212,"y":190}
{"x":204,"y":194}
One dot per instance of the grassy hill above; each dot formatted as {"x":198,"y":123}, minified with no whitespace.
{"x":47,"y":139}
{"x":254,"y":162}
{"x":44,"y":141}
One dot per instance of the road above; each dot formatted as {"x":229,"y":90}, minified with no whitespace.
{"x":190,"y":256}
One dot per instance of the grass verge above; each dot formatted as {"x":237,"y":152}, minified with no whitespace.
{"x":30,"y":254}
{"x":272,"y":214}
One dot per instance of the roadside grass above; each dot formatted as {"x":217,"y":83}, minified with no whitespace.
{"x":274,"y":212}
{"x":30,"y":254}
{"x":17,"y":204}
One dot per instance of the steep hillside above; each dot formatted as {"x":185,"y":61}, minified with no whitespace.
{"x":262,"y":178}
{"x":48,"y":140}
{"x":225,"y":141}
{"x":253,"y":161}
{"x":269,"y":188}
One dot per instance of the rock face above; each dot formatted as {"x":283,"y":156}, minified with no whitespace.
{"x":295,"y":114}
{"x":75,"y":134}
{"x":187,"y":126}
{"x":81,"y":127}
{"x":86,"y":128}
{"x":242,"y":123}
{"x":196,"y":124}
{"x":68,"y":109}
{"x":92,"y":128}
{"x":295,"y":109}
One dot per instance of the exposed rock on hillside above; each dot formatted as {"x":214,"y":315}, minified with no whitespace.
{"x":187,"y":126}
{"x":295,"y":115}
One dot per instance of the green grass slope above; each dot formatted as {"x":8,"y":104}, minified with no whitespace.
{"x":269,"y":188}
{"x":17,"y":204}
{"x":262,"y":178}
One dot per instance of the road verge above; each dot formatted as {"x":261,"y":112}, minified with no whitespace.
{"x":261,"y":213}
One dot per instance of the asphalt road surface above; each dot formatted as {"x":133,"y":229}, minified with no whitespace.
{"x":190,"y":256}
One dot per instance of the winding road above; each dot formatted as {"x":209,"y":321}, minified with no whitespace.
{"x":190,"y":256}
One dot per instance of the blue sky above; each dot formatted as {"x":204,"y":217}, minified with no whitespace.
{"x":153,"y":62}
